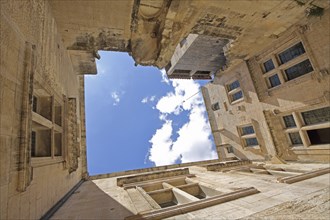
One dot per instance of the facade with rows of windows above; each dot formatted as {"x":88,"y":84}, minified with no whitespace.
{"x":275,"y":104}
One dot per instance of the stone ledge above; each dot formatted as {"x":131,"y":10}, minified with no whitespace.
{"x":192,"y":206}
{"x":151,"y":176}
{"x":304,"y":176}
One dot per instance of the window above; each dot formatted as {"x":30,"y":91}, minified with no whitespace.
{"x":247,"y":130}
{"x":316,"y":116}
{"x":311,"y":128}
{"x":251,"y":142}
{"x":274,"y":81}
{"x":291,"y":53}
{"x":286,"y":65}
{"x":230,"y":149}
{"x":233,"y":85}
{"x":234,"y":91}
{"x":289,"y":121}
{"x":295,"y":138}
{"x":248,"y":136}
{"x":46,"y":136}
{"x":298,"y":70}
{"x":181,"y":71}
{"x":319,"y":136}
{"x":269,"y":65}
{"x":215,"y":106}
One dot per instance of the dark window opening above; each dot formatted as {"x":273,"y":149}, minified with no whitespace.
{"x":200,"y":72}
{"x":316,"y":116}
{"x":274,"y":81}
{"x":33,"y":143}
{"x":181,"y":71}
{"x":247,"y":130}
{"x":295,"y":138}
{"x":289,"y":121}
{"x":230,"y":149}
{"x":215,"y":106}
{"x":167,"y":204}
{"x":319,"y":136}
{"x":34,"y":103}
{"x":291,"y":53}
{"x":236,"y":96}
{"x":269,"y":65}
{"x":233,"y":85}
{"x":299,"y":70}
{"x":251,"y":141}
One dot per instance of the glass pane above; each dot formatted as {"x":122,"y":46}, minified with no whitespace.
{"x":247,"y":130}
{"x":269,"y":65}
{"x":291,"y":53}
{"x":251,"y":141}
{"x":274,"y":81}
{"x":299,"y":70}
{"x":233,"y":85}
{"x":289,"y":121}
{"x":295,"y":138}
{"x":236,"y":96}
{"x":316,"y":116}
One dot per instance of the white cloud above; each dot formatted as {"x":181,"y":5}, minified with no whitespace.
{"x":115,"y":97}
{"x":164,"y":76}
{"x":144,"y":100}
{"x":148,"y":99}
{"x":193,"y":142}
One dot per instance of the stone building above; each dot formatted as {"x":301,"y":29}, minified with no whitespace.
{"x":276,"y":103}
{"x":48,"y":46}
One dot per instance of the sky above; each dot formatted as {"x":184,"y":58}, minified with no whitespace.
{"x":137,"y":118}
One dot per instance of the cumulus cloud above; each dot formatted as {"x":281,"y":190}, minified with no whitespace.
{"x":193,"y":142}
{"x":116,"y":98}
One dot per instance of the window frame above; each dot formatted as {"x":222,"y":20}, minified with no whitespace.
{"x":41,"y":122}
{"x":231,"y":92}
{"x":244,"y":137}
{"x":302,"y":128}
{"x":280,"y":67}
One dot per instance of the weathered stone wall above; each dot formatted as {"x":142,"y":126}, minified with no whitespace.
{"x":104,"y":199}
{"x":264,"y":107}
{"x":31,"y":44}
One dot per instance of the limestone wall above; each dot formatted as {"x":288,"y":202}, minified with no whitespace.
{"x":32,"y":58}
{"x":264,"y":106}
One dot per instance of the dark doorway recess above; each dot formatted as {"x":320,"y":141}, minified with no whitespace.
{"x":319,"y":136}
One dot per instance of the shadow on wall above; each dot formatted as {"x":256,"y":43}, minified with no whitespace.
{"x":90,"y":202}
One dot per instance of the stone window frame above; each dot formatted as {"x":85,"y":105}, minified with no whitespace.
{"x":302,"y":128}
{"x":279,"y":69}
{"x":49,"y":124}
{"x":243,"y":137}
{"x":191,"y":203}
{"x":231,"y":92}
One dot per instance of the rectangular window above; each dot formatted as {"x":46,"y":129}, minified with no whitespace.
{"x":230,"y":149}
{"x":269,"y":65}
{"x":291,"y":53}
{"x":289,"y":121}
{"x":33,"y":143}
{"x":251,"y":141}
{"x":316,"y":116}
{"x":34,"y":104}
{"x":236,"y":96}
{"x":299,"y":70}
{"x":295,"y":138}
{"x":247,"y":130}
{"x":274,"y":81}
{"x":233,"y":85}
{"x":319,"y":136}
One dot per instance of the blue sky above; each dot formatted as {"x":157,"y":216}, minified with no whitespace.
{"x":137,"y":118}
